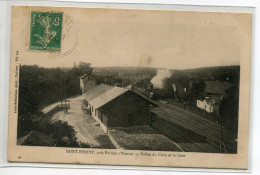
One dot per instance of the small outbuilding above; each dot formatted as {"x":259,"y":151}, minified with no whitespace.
{"x":87,"y":82}
{"x":211,"y":105}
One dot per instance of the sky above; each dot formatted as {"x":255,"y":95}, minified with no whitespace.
{"x":175,"y":40}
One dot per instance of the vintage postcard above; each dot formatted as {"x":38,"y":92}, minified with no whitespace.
{"x":129,"y":87}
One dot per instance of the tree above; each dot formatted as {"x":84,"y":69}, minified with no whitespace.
{"x":85,"y":68}
{"x":39,"y":87}
{"x":229,"y":109}
{"x":62,"y":132}
{"x":198,"y":87}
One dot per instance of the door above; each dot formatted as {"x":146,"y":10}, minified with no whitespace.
{"x":131,"y":119}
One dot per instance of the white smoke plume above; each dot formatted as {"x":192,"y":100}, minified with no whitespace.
{"x":158,"y":80}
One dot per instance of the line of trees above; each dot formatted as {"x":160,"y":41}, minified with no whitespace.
{"x":39,"y":87}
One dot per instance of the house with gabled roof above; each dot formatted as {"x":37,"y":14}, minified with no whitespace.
{"x":113,"y":107}
{"x":215,"y":92}
{"x":87,"y":82}
{"x":211,"y":105}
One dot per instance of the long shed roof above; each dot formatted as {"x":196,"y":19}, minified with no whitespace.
{"x":107,"y":96}
{"x":103,"y":94}
{"x":97,"y":91}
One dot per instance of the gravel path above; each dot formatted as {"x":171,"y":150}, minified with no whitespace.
{"x":84,"y":125}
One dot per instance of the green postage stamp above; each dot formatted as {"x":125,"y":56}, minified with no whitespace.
{"x":45,"y":31}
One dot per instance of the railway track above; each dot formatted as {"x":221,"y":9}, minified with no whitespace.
{"x":192,"y":122}
{"x":197,"y":125}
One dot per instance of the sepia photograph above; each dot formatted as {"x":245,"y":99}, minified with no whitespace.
{"x":136,"y":83}
{"x":137,"y":108}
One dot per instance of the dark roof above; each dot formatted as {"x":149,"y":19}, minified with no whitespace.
{"x":217,"y":87}
{"x":135,"y":90}
{"x":107,"y":96}
{"x":83,"y":76}
{"x":97,"y":91}
{"x":86,"y":75}
{"x":211,"y":101}
{"x":36,"y":138}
